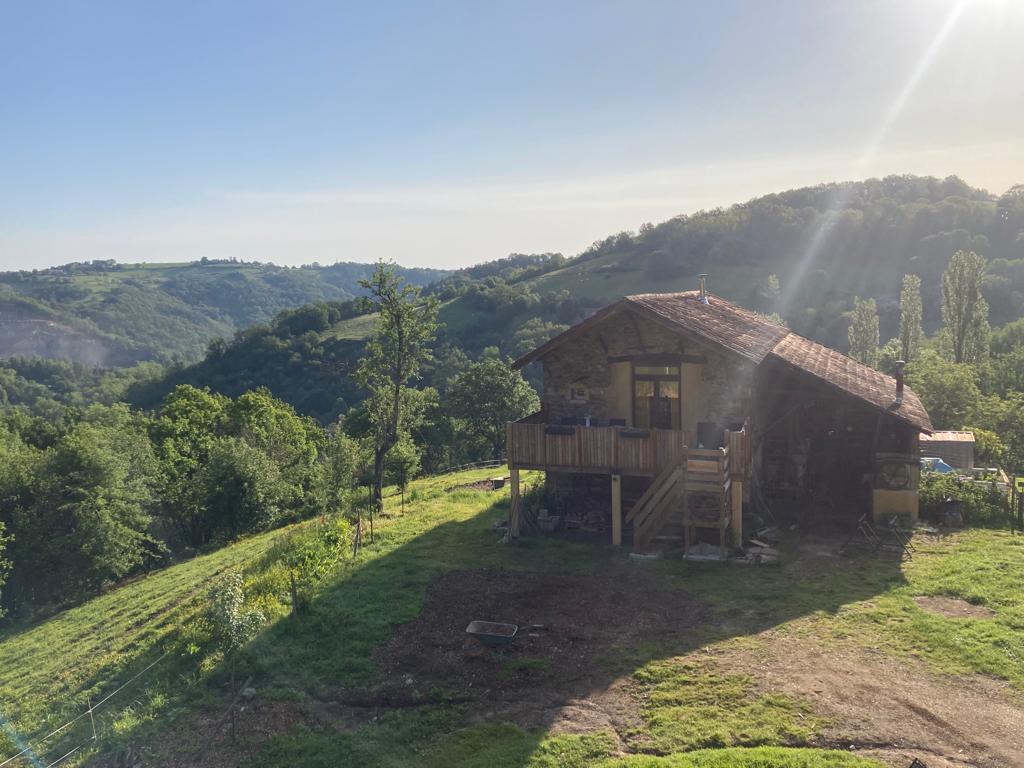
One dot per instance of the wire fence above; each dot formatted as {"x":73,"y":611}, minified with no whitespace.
{"x":32,"y":748}
{"x":471,"y":465}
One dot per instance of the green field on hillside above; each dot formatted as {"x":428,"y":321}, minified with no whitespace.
{"x":690,"y":711}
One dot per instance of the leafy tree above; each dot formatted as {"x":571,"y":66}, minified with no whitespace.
{"x":949,"y":391}
{"x":768,"y":293}
{"x":989,"y":448}
{"x":964,"y":309}
{"x":183,"y":436}
{"x":243,"y":489}
{"x":394,"y":355}
{"x":5,"y":565}
{"x":863,"y":332}
{"x":344,"y":459}
{"x":888,"y":354}
{"x":291,"y":442}
{"x":910,"y":317}
{"x":231,"y":622}
{"x":485,"y":398}
{"x":83,"y":519}
{"x":402,"y":464}
{"x":533,"y":333}
{"x":1004,"y":417}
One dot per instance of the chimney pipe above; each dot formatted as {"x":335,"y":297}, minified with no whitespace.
{"x":899,"y":381}
{"x":703,"y":291}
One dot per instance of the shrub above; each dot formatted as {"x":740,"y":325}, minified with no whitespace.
{"x":232,"y":623}
{"x":983,"y":504}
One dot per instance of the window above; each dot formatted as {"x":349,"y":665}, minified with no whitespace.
{"x":656,"y":397}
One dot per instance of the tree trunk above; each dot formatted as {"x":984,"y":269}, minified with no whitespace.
{"x":377,"y":496}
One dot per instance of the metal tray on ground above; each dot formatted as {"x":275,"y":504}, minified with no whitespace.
{"x":492,"y":633}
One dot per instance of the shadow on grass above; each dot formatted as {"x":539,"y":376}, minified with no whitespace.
{"x":375,"y":671}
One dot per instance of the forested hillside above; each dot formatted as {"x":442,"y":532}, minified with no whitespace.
{"x":804,"y":254}
{"x":109,"y":314}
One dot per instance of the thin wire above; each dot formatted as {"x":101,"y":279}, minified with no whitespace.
{"x":97,"y":705}
{"x":62,"y":758}
{"x":129,"y":682}
{"x":93,"y":708}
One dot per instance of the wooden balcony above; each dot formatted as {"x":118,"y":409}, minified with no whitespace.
{"x":604,"y":450}
{"x":679,"y":472}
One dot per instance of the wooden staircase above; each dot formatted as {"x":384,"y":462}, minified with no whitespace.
{"x":693,"y":492}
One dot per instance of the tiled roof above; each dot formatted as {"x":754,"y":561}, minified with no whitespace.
{"x":855,"y":378}
{"x":755,"y":338}
{"x":950,"y":437}
{"x":723,"y":324}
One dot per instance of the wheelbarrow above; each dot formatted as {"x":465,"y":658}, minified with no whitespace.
{"x":492,"y":633}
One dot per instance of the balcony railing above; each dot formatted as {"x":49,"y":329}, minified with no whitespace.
{"x":624,"y":450}
{"x":533,"y":444}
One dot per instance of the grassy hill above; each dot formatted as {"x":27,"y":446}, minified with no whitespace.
{"x":635,"y":664}
{"x":826,"y":244}
{"x":110,"y":314}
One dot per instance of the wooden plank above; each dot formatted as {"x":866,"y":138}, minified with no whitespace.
{"x":737,"y":513}
{"x":616,"y":511}
{"x":666,"y":488}
{"x":659,"y":514}
{"x":651,"y":490}
{"x":516,"y":513}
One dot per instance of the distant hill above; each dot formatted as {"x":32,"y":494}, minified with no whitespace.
{"x":108,"y":314}
{"x":825,"y":244}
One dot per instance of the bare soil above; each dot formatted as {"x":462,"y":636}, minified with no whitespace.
{"x":953,"y":607}
{"x":560,"y":674}
{"x":896,"y":709}
{"x":557,"y":673}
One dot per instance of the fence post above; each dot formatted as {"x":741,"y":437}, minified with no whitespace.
{"x":295,"y":596}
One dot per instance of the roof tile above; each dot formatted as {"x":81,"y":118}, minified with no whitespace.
{"x":722,"y":323}
{"x":853,"y":377}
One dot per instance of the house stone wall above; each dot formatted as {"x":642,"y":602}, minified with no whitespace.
{"x":717,"y":390}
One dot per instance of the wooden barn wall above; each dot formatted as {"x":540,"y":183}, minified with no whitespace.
{"x":807,"y":433}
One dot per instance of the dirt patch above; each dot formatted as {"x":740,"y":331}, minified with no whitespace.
{"x":896,"y":709}
{"x":557,"y":673}
{"x":953,"y":608}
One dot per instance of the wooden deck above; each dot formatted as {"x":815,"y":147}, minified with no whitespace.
{"x":604,"y":450}
{"x":681,"y":475}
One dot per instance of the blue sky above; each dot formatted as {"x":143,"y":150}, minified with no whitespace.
{"x":451,"y":133}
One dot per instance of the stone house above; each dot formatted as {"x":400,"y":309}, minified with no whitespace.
{"x":662,"y":414}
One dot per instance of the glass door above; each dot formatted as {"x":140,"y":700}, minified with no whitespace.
{"x":656,"y":397}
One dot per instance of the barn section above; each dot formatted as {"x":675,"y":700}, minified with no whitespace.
{"x":663,"y":404}
{"x":956,"y":448}
{"x":835,"y":438}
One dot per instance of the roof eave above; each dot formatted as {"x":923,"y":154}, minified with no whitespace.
{"x":926,"y":428}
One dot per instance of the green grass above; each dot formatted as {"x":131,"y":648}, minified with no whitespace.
{"x":689,"y":705}
{"x":690,"y":712}
{"x":48,"y":671}
{"x":353,"y":329}
{"x":980,"y":566}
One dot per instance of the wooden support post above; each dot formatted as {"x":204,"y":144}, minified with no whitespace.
{"x":515,"y":522}
{"x":737,"y":512}
{"x":617,"y":510}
